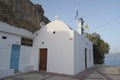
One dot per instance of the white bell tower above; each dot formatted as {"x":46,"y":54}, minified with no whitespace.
{"x":80,"y":26}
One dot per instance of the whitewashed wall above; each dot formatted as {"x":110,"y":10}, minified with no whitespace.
{"x":25,"y":61}
{"x":80,"y":43}
{"x":5,"y":55}
{"x":4,"y":27}
{"x":66,"y":49}
{"x":13,"y":36}
{"x":89,"y":46}
{"x":79,"y":57}
{"x":60,"y":47}
{"x":5,"y":49}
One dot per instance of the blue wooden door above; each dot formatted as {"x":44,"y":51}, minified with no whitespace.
{"x":15,"y":53}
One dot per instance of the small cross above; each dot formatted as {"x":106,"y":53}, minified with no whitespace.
{"x":56,"y":17}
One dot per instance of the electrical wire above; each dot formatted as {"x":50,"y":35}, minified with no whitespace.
{"x":109,"y":22}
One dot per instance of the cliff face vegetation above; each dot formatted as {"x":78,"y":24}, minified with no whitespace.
{"x":22,"y":14}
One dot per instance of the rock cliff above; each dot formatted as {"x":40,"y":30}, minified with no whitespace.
{"x":22,"y":14}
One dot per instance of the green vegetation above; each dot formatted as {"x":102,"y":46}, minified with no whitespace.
{"x":100,"y":47}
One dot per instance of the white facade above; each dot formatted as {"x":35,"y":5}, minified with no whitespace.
{"x":59,"y":45}
{"x":81,"y":44}
{"x":13,"y":36}
{"x":65,"y":48}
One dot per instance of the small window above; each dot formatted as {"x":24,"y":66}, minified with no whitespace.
{"x":53,"y":32}
{"x":4,"y":37}
{"x":42,"y":42}
{"x":36,"y":34}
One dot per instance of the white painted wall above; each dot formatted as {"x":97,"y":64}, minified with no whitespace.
{"x":4,"y":27}
{"x":80,"y":43}
{"x":79,"y":53}
{"x":89,"y":46}
{"x":65,"y":48}
{"x":60,"y":47}
{"x":5,"y":73}
{"x":13,"y":35}
{"x":25,"y":61}
{"x":5,"y":49}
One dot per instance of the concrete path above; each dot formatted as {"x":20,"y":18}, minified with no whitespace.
{"x":95,"y":73}
{"x":105,"y":73}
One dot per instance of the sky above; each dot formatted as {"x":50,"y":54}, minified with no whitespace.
{"x":102,"y":16}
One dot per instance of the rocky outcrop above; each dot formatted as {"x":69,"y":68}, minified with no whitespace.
{"x":22,"y":14}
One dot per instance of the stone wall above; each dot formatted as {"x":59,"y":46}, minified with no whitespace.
{"x":22,"y":14}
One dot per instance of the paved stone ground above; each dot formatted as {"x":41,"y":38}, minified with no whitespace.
{"x":95,"y":73}
{"x":105,"y":73}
